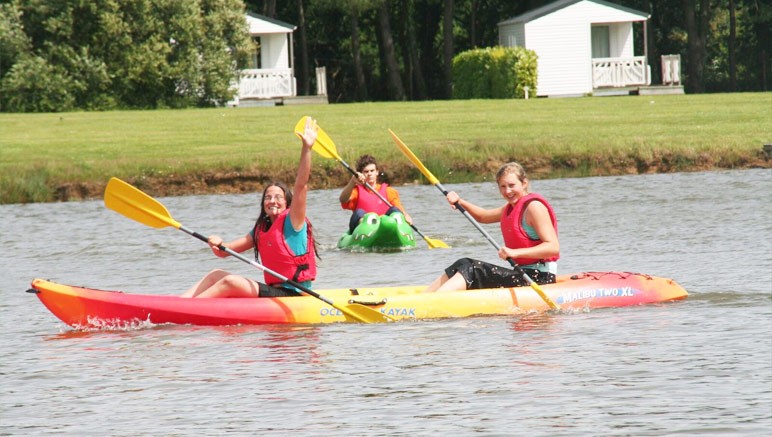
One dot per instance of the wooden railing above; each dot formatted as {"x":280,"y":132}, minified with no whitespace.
{"x":266,"y":83}
{"x":671,"y":69}
{"x":620,"y":72}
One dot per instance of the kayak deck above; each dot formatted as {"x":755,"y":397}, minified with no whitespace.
{"x":379,"y":232}
{"x":83,"y":307}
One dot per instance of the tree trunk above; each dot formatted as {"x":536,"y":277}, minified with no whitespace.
{"x":697,"y":30}
{"x":732,"y":47}
{"x":473,"y":25}
{"x":415,"y":60}
{"x":361,"y":91}
{"x":447,"y":47}
{"x":396,"y":87}
{"x":762,"y":29}
{"x":654,"y":53}
{"x":269,"y":8}
{"x":303,"y":76}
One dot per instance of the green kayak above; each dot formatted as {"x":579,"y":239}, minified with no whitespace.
{"x":379,"y":232}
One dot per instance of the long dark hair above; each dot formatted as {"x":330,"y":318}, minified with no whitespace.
{"x":264,"y":222}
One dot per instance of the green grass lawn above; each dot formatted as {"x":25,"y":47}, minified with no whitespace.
{"x":581,"y":136}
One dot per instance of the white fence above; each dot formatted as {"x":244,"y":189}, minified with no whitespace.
{"x":321,"y":81}
{"x":620,"y":72}
{"x":671,"y":69}
{"x":266,"y":83}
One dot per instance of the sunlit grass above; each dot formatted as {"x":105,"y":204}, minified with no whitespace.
{"x":460,"y":140}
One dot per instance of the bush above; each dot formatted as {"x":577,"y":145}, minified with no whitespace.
{"x":34,"y":85}
{"x":494,"y":73}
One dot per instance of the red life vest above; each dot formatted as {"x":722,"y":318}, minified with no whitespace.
{"x":513,"y":232}
{"x":277,"y":256}
{"x":369,"y":202}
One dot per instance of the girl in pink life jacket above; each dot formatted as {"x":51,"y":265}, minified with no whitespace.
{"x":530,"y":232}
{"x":282,"y":237}
{"x":358,"y":198}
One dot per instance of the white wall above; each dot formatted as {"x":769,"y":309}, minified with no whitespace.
{"x":621,"y":40}
{"x":274,"y":51}
{"x":562,"y":41}
{"x":512,"y":35}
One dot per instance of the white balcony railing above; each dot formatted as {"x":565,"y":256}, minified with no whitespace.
{"x":266,"y":83}
{"x":620,"y":72}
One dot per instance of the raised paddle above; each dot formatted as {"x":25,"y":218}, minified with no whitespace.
{"x":324,"y":146}
{"x":414,"y":159}
{"x":136,"y":205}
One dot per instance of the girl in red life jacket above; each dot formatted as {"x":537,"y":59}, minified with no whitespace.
{"x":358,"y":198}
{"x":282,"y":234}
{"x":530,"y":232}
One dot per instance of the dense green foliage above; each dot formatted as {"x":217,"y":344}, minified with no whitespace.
{"x":105,"y":54}
{"x":102,"y":54}
{"x":326,"y":33}
{"x":494,"y":73}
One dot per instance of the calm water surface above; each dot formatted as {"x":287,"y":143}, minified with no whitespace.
{"x":702,"y":366}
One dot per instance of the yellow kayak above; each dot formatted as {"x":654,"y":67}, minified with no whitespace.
{"x":82,"y":307}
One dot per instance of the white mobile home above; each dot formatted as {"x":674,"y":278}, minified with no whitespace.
{"x":583,"y":46}
{"x":270,"y":78}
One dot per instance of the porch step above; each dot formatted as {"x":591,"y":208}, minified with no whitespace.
{"x":660,"y":90}
{"x":281,"y":101}
{"x":639,"y":90}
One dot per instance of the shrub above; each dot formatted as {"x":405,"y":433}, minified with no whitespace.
{"x":494,"y":73}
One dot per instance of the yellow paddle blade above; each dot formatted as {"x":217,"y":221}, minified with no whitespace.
{"x":363,"y":313}
{"x":130,"y":201}
{"x":435,"y":244}
{"x":323,"y":145}
{"x":411,"y":156}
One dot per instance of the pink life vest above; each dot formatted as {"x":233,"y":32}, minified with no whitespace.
{"x":513,"y":232}
{"x":277,"y":256}
{"x":369,"y":202}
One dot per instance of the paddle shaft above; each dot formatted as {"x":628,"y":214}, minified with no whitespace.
{"x":380,"y":196}
{"x":235,"y":254}
{"x":485,"y":233}
{"x":414,"y":159}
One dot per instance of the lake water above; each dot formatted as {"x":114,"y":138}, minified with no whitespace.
{"x":702,"y":366}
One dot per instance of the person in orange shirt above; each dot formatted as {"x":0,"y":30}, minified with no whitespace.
{"x":361,"y":200}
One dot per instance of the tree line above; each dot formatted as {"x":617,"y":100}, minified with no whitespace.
{"x":403,"y":49}
{"x":105,"y":54}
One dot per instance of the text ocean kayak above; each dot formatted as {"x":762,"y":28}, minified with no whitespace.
{"x":84,"y":307}
{"x":379,"y":232}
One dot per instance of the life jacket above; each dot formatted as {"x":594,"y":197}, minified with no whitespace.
{"x":369,"y":202}
{"x":513,"y":232}
{"x":277,"y":256}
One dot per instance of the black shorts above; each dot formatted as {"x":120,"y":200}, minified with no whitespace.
{"x":480,"y":274}
{"x":276,"y":291}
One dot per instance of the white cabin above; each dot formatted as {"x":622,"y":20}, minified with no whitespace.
{"x":583,"y":46}
{"x":270,"y":78}
{"x":270,"y":72}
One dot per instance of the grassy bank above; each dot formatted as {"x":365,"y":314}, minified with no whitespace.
{"x":49,"y":157}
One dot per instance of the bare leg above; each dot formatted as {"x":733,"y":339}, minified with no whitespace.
{"x":455,"y":283}
{"x":437,"y":283}
{"x":207,"y":281}
{"x":232,"y":286}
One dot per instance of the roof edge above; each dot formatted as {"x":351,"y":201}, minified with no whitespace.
{"x":272,"y":21}
{"x":547,"y":9}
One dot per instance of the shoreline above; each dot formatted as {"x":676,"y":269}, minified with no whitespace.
{"x":236,"y":182}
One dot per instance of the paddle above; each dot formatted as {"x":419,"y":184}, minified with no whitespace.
{"x":325,"y":147}
{"x":136,"y":205}
{"x":414,"y":159}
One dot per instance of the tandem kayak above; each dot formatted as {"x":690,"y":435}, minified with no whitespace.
{"x":379,"y":232}
{"x":83,"y":308}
